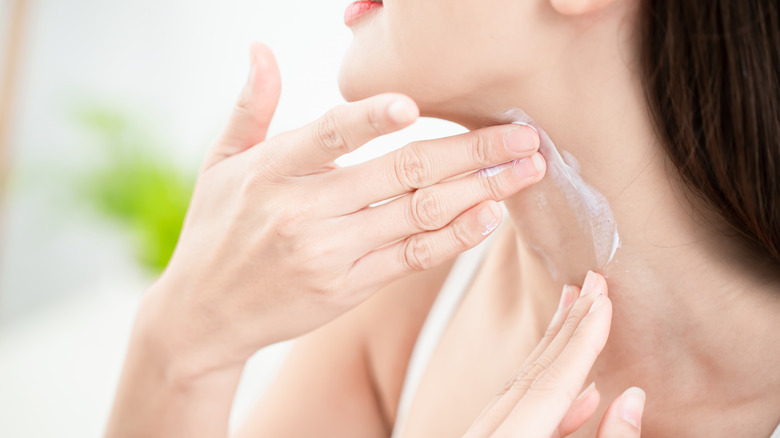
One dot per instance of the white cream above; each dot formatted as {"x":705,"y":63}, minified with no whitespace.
{"x":590,"y":207}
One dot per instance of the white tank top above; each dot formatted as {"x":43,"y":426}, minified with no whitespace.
{"x":458,"y":281}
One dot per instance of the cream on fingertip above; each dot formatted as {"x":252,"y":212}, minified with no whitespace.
{"x":489,"y":217}
{"x":525,"y":167}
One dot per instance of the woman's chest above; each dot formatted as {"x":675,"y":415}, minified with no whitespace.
{"x":482,"y":348}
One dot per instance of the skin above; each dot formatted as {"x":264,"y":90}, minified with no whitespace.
{"x":682,"y":298}
{"x":206,"y":315}
{"x":686,"y":294}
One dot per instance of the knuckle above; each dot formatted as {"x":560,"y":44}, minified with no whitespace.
{"x":580,"y":336}
{"x":263,"y":173}
{"x":244,"y":103}
{"x":532,"y":370}
{"x":552,"y":381}
{"x":551,"y":331}
{"x":417,"y":254}
{"x":538,"y":366}
{"x":569,"y":325}
{"x":480,"y":149}
{"x":461,"y":234}
{"x":521,"y":384}
{"x":326,"y":290}
{"x":410,"y":168}
{"x":506,"y":387}
{"x":425,"y":211}
{"x":375,"y":120}
{"x":329,"y":135}
{"x":287,"y":224}
{"x":492,"y":187}
{"x":284,"y":229}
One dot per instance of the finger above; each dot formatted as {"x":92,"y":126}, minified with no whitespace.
{"x":539,"y":412}
{"x":422,"y":164}
{"x":434,"y":207}
{"x":555,"y":339}
{"x":580,"y":412}
{"x":340,"y":131}
{"x":491,"y":418}
{"x":248,"y":124}
{"x":540,"y":358}
{"x":623,"y":418}
{"x":426,"y":250}
{"x":567,"y":300}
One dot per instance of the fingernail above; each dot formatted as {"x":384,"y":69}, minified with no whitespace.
{"x":494,"y":170}
{"x":518,"y":141}
{"x":632,"y":405}
{"x":586,"y":391}
{"x":488,"y":217}
{"x":590,"y":283}
{"x":598,"y":302}
{"x":401,"y":111}
{"x":567,"y":296}
{"x":538,"y":161}
{"x":529,"y":167}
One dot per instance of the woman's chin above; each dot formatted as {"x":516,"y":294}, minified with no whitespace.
{"x":357,"y":82}
{"x":352,"y":90}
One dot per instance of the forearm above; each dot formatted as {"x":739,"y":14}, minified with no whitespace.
{"x":163,"y":394}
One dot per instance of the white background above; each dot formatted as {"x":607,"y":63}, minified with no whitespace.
{"x":68,"y":283}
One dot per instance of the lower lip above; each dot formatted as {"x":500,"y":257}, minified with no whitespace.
{"x":358,"y":10}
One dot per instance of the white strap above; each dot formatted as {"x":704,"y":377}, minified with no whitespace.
{"x":441,"y":312}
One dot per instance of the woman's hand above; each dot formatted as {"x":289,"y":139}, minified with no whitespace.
{"x":541,"y":401}
{"x":279,"y":240}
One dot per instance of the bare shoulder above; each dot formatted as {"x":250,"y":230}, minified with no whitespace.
{"x":391,"y":321}
{"x":362,"y":355}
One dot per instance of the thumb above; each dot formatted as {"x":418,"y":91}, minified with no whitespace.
{"x":248,"y":124}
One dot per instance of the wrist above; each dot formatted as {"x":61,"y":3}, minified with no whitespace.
{"x":168,"y":390}
{"x":173,"y":339}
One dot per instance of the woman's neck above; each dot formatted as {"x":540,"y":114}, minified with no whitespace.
{"x":695,"y":310}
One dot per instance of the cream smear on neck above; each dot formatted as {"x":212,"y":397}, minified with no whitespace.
{"x":594,"y":216}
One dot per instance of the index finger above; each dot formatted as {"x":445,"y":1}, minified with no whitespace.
{"x":339,"y":131}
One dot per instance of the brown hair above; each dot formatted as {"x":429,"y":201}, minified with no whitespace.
{"x":712,"y":72}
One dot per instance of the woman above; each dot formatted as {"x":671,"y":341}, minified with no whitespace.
{"x":673,"y":114}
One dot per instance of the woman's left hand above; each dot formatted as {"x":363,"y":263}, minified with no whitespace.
{"x":542,"y":401}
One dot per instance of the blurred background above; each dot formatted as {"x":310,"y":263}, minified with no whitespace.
{"x":106,"y":109}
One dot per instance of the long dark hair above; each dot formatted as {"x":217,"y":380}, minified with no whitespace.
{"x":712,"y":81}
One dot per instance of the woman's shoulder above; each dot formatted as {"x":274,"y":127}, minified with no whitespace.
{"x":391,"y":321}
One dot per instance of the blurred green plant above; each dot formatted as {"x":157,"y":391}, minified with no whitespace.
{"x":136,"y":185}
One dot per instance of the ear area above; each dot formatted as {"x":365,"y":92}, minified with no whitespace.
{"x":579,"y":7}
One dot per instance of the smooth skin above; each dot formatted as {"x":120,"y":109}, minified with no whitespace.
{"x":687,"y":295}
{"x":279,"y":241}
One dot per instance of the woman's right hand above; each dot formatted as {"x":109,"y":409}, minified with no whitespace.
{"x":279,"y":239}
